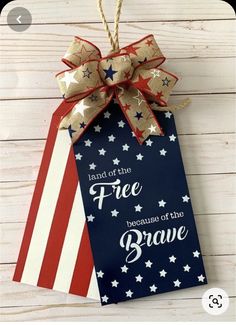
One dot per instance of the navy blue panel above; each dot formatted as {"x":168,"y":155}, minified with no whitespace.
{"x":162,"y":208}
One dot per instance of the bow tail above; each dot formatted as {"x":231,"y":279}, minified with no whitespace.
{"x":85,"y":111}
{"x":156,"y":84}
{"x":138,"y":112}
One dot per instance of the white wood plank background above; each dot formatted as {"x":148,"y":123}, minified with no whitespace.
{"x":198,"y":37}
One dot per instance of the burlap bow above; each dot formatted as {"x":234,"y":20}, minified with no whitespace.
{"x":131,"y":75}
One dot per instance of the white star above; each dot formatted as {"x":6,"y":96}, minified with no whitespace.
{"x":196,"y":254}
{"x":88,"y":143}
{"x":100,"y":274}
{"x":186,"y":198}
{"x":105,"y":298}
{"x":168,"y":114}
{"x":139,"y":278}
{"x":139,"y":156}
{"x":124,"y":269}
{"x":155,"y":73}
{"x":139,"y":98}
{"x":163,"y":152}
{"x":163,"y":273}
{"x":80,"y":108}
{"x":111,"y":138}
{"x":161,"y":203}
{"x":115,"y":101}
{"x":107,"y":114}
{"x":129,"y":293}
{"x":152,"y":128}
{"x":153,"y":288}
{"x":149,"y":142}
{"x":116,"y":161}
{"x":121,"y":124}
{"x":114,"y":283}
{"x":177,"y":283}
{"x":125,"y":58}
{"x":102,"y":152}
{"x":186,"y":268}
{"x":92,"y":166}
{"x":201,"y":278}
{"x":172,"y":137}
{"x":97,"y":128}
{"x":78,"y":156}
{"x":90,"y":218}
{"x":69,"y":78}
{"x":114,"y":213}
{"x":138,"y":208}
{"x":125,"y":147}
{"x":133,"y":134}
{"x":172,"y":259}
{"x":148,"y":263}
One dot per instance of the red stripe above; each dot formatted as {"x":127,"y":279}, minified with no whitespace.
{"x":59,"y":224}
{"x":83,"y":267}
{"x":39,"y":189}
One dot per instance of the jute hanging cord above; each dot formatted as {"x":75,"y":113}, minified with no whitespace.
{"x":114,"y":40}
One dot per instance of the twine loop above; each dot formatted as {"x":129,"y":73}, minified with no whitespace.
{"x":114,"y":39}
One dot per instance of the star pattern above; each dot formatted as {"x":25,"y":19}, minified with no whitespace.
{"x":163,"y":273}
{"x":170,"y":269}
{"x":163,"y":152}
{"x":138,"y":208}
{"x":185,"y":198}
{"x":114,"y":213}
{"x":90,"y":218}
{"x":149,"y":142}
{"x":139,"y":278}
{"x":69,"y":78}
{"x":124,"y":269}
{"x":165,"y":82}
{"x":162,"y":203}
{"x":109,"y":73}
{"x":139,"y":156}
{"x":148,"y":264}
{"x":78,"y":156}
{"x":125,"y":147}
{"x":102,"y":152}
{"x":97,"y":128}
{"x":86,"y":73}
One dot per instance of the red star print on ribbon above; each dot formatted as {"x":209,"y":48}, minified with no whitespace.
{"x":132,"y":75}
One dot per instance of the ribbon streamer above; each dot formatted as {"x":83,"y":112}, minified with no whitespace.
{"x":132,"y":75}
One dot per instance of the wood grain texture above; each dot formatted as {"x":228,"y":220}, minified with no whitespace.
{"x":211,"y":194}
{"x":185,"y":39}
{"x":213,"y":240}
{"x":198,"y":38}
{"x":83,"y":11}
{"x":218,"y":268}
{"x":28,"y":80}
{"x":30,"y":119}
{"x":138,"y":310}
{"x":202,"y":154}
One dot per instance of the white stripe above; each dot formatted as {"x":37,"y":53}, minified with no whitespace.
{"x":71,"y":245}
{"x":93,"y":291}
{"x":47,"y":207}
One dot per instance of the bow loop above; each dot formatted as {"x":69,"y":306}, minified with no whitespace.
{"x":145,"y":52}
{"x":132,"y":75}
{"x":80,"y":51}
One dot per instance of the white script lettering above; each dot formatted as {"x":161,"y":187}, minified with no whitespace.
{"x":104,"y":190}
{"x":133,"y":240}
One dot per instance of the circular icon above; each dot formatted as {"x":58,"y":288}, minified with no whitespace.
{"x":19,"y":19}
{"x":215,"y":301}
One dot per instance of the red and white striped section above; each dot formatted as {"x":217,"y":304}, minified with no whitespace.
{"x":55,"y":251}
